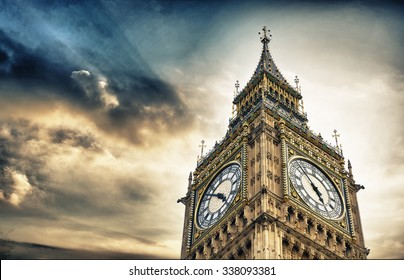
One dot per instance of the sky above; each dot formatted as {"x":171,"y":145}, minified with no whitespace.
{"x":103,"y":107}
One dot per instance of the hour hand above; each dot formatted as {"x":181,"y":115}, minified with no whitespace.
{"x":317,"y":192}
{"x":321,"y":199}
{"x":221,"y":196}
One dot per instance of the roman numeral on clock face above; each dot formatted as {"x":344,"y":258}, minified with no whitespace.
{"x":219,"y":195}
{"x":315,"y":188}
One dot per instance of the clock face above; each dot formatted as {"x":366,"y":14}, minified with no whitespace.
{"x":219,"y":195}
{"x":315,"y":188}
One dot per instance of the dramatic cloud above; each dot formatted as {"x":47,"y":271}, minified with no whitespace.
{"x":18,"y":164}
{"x":72,"y":138}
{"x":20,"y":187}
{"x":95,"y":89}
{"x":111,"y":85}
{"x":70,"y":182}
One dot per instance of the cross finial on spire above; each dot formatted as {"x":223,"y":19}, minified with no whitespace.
{"x":297,"y":82}
{"x":335,"y":135}
{"x":202,"y":146}
{"x":237,"y":85}
{"x":265,"y":38}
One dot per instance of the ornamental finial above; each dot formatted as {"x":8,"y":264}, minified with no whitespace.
{"x":350,"y":169}
{"x":266,"y":37}
{"x":335,"y":135}
{"x":202,"y":146}
{"x":237,"y":85}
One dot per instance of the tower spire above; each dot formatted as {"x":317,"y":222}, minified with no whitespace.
{"x":266,"y":63}
{"x":272,"y":83}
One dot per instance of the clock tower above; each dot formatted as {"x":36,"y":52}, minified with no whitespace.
{"x":271,"y":188}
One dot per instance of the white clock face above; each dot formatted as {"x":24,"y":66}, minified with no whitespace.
{"x":219,"y":195}
{"x":315,"y":188}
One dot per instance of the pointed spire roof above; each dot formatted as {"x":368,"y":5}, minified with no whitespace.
{"x":266,"y":62}
{"x":266,"y":66}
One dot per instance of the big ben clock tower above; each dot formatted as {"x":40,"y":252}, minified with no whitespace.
{"x":272,"y":189}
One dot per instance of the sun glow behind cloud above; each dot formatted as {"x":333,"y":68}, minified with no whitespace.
{"x":20,"y":188}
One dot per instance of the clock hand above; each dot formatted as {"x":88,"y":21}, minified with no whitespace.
{"x":221,"y":196}
{"x":312,"y":184}
{"x":317,"y":191}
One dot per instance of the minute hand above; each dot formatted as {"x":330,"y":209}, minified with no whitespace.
{"x":312,"y":184}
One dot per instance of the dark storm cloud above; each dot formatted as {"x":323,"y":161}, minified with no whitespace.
{"x":131,"y":103}
{"x":35,"y":62}
{"x":13,"y":156}
{"x":75,"y":138}
{"x":92,"y":199}
{"x":27,"y":70}
{"x":25,"y":149}
{"x":145,"y":90}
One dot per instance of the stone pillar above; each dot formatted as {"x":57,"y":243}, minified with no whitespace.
{"x":206,"y":250}
{"x":199,"y":253}
{"x":265,"y":241}
{"x":223,"y":236}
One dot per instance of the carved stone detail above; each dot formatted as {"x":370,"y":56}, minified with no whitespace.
{"x":269,"y":174}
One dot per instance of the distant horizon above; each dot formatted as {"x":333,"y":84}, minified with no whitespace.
{"x":33,"y":251}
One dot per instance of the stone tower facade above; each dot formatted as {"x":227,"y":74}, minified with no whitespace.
{"x":272,"y":189}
